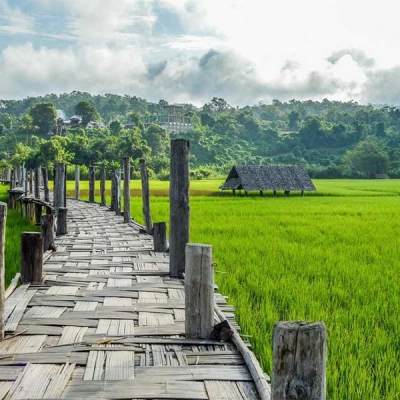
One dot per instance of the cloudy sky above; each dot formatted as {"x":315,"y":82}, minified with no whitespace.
{"x":245,"y":51}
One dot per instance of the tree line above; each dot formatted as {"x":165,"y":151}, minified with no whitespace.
{"x":331,"y":139}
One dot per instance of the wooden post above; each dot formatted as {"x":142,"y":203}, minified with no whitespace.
{"x":302,"y":193}
{"x":287,"y":192}
{"x":48,"y":232}
{"x":30,"y":181}
{"x":127,"y":189}
{"x":117,"y":192}
{"x":62,"y":221}
{"x":38,"y":207}
{"x":59,"y":195}
{"x":65,"y":186}
{"x":91,"y":184}
{"x":45,"y":176}
{"x":299,"y":361}
{"x":199,"y":291}
{"x":77,"y":177}
{"x":31,"y":257}
{"x":12,"y":179}
{"x":3,"y":219}
{"x":160,"y":236}
{"x":145,"y":196}
{"x":179,"y":205}
{"x":103,"y":185}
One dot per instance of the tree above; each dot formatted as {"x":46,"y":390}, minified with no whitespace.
{"x":116,"y":127}
{"x":157,"y":138}
{"x":87,"y":111}
{"x":294,"y":120}
{"x":368,"y":158}
{"x":44,"y":116}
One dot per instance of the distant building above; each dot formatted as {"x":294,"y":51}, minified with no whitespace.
{"x":172,"y":118}
{"x":264,"y":177}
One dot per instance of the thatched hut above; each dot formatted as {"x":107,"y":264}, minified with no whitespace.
{"x":265,"y":177}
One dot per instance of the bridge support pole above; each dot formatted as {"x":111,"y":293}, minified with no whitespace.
{"x":48,"y":232}
{"x":92,"y":181}
{"x":179,"y":205}
{"x":146,"y":195}
{"x":299,"y":361}
{"x":127,"y":189}
{"x":160,"y":236}
{"x":199,"y":291}
{"x":62,"y":221}
{"x":77,"y":179}
{"x":31,"y":257}
{"x":103,"y":185}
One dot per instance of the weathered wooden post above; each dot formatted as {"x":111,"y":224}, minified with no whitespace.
{"x":30,"y":181}
{"x":103,"y":185}
{"x":46,"y":190}
{"x":31,"y":257}
{"x":299,"y":361}
{"x":117,"y":192}
{"x":77,"y":178}
{"x":199,"y":291}
{"x":91,"y":184}
{"x":179,"y":205}
{"x":48,"y":232}
{"x":160,"y":236}
{"x":127,"y":189}
{"x":38,"y":207}
{"x":3,"y":219}
{"x":62,"y":221}
{"x":145,"y":195}
{"x":59,"y":189}
{"x":12,"y":179}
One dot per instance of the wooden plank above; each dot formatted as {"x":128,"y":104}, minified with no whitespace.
{"x":115,"y":327}
{"x":19,"y":309}
{"x":44,"y":312}
{"x":63,"y":290}
{"x":155,"y":319}
{"x":152,"y":297}
{"x":134,"y":389}
{"x":95,"y":366}
{"x":72,"y":334}
{"x":117,"y":301}
{"x":61,"y":322}
{"x":14,"y":299}
{"x":5,"y":388}
{"x":10,"y":373}
{"x":22,"y":344}
{"x":79,"y":358}
{"x":41,"y":381}
{"x":85,"y":306}
{"x":218,"y":390}
{"x":119,"y":365}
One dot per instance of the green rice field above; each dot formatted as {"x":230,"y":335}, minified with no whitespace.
{"x":330,"y":256}
{"x":15,"y":225}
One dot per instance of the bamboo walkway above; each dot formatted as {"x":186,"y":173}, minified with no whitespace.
{"x":108,"y":323}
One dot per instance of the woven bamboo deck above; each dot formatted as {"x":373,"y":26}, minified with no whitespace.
{"x":108,"y":323}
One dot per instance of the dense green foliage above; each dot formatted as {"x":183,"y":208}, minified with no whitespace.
{"x":329,"y":138}
{"x":15,"y":225}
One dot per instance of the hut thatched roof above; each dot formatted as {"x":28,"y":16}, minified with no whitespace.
{"x":263,"y":177}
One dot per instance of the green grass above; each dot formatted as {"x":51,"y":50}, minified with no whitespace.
{"x":15,"y":225}
{"x":331,"y":256}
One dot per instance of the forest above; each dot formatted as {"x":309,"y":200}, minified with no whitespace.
{"x":330,"y":139}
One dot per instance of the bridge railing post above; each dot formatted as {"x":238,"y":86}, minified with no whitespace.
{"x":199,"y":291}
{"x":92,"y":182}
{"x":145,"y":195}
{"x":127,"y":189}
{"x":299,"y":361}
{"x":77,"y":178}
{"x":103,"y":185}
{"x":31,"y":257}
{"x":179,"y":205}
{"x":160,"y":236}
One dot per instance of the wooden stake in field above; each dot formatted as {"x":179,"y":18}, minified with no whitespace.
{"x":127,"y":189}
{"x":92,"y":181}
{"x":299,"y":361}
{"x":77,"y":178}
{"x":3,"y":219}
{"x":103,"y":185}
{"x":199,"y":291}
{"x":145,"y":195}
{"x":179,"y":205}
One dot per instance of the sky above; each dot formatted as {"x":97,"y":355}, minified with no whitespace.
{"x":189,"y":51}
